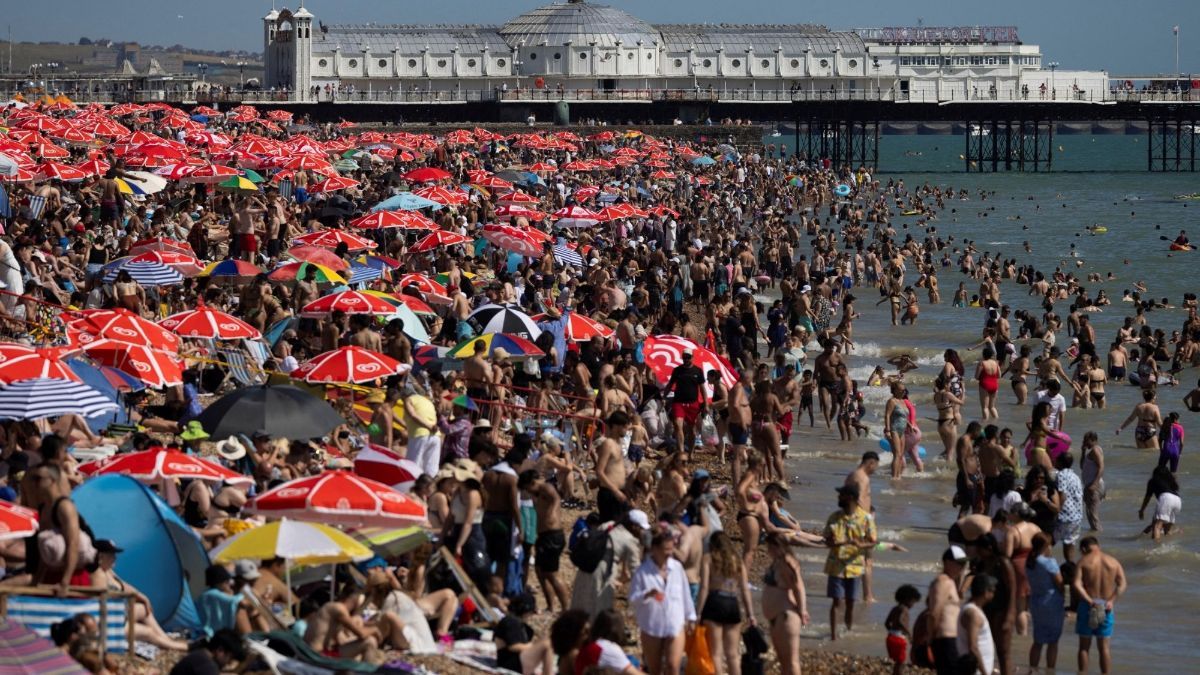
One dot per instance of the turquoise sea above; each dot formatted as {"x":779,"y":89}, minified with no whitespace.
{"x":1098,"y":180}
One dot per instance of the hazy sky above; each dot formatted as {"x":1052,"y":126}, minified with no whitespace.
{"x":1121,"y":36}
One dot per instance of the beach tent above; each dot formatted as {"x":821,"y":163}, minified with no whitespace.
{"x":162,"y":556}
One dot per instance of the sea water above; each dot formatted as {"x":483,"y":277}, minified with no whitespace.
{"x":1051,"y":212}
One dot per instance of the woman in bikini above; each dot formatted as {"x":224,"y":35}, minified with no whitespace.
{"x":1149,"y":419}
{"x":953,"y":371}
{"x":987,"y":373}
{"x":945,"y":402}
{"x":1018,"y":544}
{"x":1018,"y":370}
{"x":785,"y":603}
{"x":723,"y":582}
{"x":1096,"y":380}
{"x":1039,"y":432}
{"x":765,"y":412}
{"x":749,"y":501}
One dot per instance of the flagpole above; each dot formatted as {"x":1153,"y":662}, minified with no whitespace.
{"x":1176,"y":51}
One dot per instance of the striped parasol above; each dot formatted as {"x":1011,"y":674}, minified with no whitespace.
{"x":24,"y":651}
{"x":565,"y":256}
{"x":147,"y":273}
{"x":505,"y":319}
{"x":359,"y":273}
{"x":44,"y":397}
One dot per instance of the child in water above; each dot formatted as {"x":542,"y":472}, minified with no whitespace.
{"x":897,"y":626}
{"x":807,"y":386}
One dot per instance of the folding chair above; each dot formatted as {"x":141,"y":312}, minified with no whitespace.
{"x":238,"y":368}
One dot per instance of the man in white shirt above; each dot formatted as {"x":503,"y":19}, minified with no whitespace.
{"x":662,"y":601}
{"x":1058,"y":405}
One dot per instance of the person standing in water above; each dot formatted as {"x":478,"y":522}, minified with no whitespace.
{"x":1099,"y":583}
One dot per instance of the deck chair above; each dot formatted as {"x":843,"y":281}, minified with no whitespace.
{"x":238,"y":368}
{"x":292,"y":646}
{"x":39,"y":613}
{"x":277,"y":622}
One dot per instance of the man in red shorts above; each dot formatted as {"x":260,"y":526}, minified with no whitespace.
{"x":243,"y":226}
{"x":687,"y":383}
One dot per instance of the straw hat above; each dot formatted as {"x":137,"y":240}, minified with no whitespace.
{"x":376,"y":396}
{"x":231,"y":449}
{"x":500,"y":354}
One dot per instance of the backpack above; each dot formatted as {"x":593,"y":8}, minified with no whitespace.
{"x":591,"y":548}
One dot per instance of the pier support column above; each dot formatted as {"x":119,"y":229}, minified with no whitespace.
{"x":1172,"y":143}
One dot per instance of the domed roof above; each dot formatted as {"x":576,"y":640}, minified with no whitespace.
{"x":580,"y":23}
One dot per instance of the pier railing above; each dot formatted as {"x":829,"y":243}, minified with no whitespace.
{"x":597,"y":95}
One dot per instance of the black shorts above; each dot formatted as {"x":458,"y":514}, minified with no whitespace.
{"x":738,"y":434}
{"x":610,"y":507}
{"x":721,"y":607}
{"x":549,"y":548}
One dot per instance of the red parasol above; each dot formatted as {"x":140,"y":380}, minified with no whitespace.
{"x":580,"y":328}
{"x":158,"y":464}
{"x":331,"y":238}
{"x":439,"y":238}
{"x":318,"y":255}
{"x":122,"y":326}
{"x":380,"y":464}
{"x":19,"y":362}
{"x":339,"y":498}
{"x":205,"y":322}
{"x":17,"y":522}
{"x":350,"y":302}
{"x":512,"y":239}
{"x":426,"y":174}
{"x":664,"y":353}
{"x":348,"y":364}
{"x":155,"y":368}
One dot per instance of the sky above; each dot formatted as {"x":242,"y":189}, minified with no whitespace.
{"x":1123,"y":37}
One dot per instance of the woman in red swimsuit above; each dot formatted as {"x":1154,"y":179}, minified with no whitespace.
{"x":987,"y":373}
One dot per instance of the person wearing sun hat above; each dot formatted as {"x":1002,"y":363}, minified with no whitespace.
{"x":458,"y":428}
{"x":424,"y":441}
{"x":191,"y":436}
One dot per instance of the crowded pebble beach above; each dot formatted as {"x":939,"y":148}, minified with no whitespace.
{"x":316,"y":397}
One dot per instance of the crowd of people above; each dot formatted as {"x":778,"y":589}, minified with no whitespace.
{"x":597,"y":442}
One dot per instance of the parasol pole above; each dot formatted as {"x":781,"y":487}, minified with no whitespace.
{"x":287,"y":580}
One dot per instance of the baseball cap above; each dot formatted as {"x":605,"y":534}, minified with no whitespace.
{"x":371,"y":563}
{"x":639,"y":518}
{"x":246,"y":569}
{"x":107,"y":546}
{"x":955,"y":553}
{"x":700,"y":474}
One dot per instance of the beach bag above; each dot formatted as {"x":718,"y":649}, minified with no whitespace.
{"x":699,"y":659}
{"x":756,"y":645}
{"x":591,"y":548}
{"x":708,"y":431}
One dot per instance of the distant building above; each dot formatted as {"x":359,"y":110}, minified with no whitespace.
{"x":578,"y":45}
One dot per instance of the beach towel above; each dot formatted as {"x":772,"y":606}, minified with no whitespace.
{"x":38,"y":614}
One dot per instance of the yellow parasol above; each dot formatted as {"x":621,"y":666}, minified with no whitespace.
{"x":295,"y":541}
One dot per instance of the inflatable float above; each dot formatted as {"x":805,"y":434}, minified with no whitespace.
{"x":910,"y":212}
{"x":1136,"y":380}
{"x":886,"y":446}
{"x":1057,"y":443}
{"x":842,"y":190}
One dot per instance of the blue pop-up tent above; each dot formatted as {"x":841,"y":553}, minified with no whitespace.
{"x":162,"y":556}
